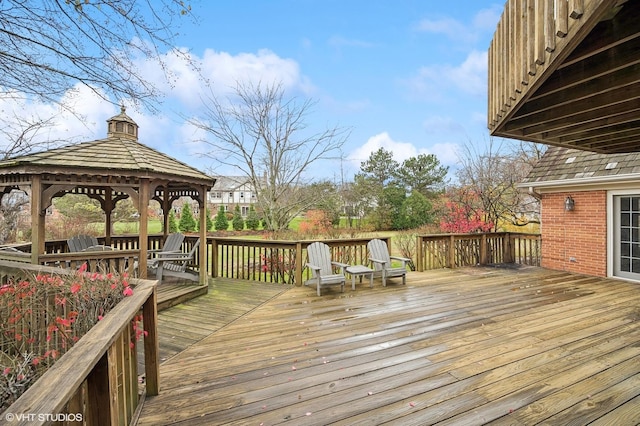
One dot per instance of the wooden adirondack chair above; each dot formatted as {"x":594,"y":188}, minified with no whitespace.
{"x":173,"y":244}
{"x":322,"y":268}
{"x":381,"y":260}
{"x":81,"y":243}
{"x":174,"y":264}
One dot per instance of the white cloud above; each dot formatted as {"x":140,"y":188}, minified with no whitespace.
{"x":483,"y":21}
{"x":435,"y":82}
{"x":88,"y":123}
{"x":449,"y":27}
{"x":440,"y":124}
{"x":190,"y":75}
{"x":224,"y":70}
{"x":445,"y":152}
{"x":401,"y":150}
{"x":487,"y":19}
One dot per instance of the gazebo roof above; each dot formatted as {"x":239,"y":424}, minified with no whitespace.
{"x":111,"y":154}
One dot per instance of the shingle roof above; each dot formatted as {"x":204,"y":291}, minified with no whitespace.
{"x":228,"y":183}
{"x":107,"y":154}
{"x":563,"y":164}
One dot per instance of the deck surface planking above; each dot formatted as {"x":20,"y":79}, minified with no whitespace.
{"x":468,"y":346}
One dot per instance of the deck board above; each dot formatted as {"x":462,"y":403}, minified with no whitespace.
{"x":468,"y":346}
{"x":182,"y":325}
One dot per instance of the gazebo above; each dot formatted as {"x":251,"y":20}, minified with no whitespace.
{"x":107,"y":170}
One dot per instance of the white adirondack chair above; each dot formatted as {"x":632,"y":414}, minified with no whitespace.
{"x":174,"y":264}
{"x":381,"y":260}
{"x":322,"y":268}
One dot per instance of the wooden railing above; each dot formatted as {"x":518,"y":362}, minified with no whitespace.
{"x":284,"y":261}
{"x":532,"y":37}
{"x":457,"y":250}
{"x":96,"y":381}
{"x":276,"y":261}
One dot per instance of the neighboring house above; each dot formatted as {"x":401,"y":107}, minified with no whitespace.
{"x":230,"y":191}
{"x":590,"y":211}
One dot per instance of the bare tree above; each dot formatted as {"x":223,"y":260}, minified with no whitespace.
{"x":21,"y":135}
{"x":264,"y":136}
{"x":488,"y":183}
{"x":49,"y":46}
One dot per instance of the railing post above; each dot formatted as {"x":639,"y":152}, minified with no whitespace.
{"x":214,"y":258}
{"x":452,"y":251}
{"x":483,"y":249}
{"x":151,"y":349}
{"x":98,"y":398}
{"x":508,"y":250}
{"x":298,"y":276}
{"x":419,"y":259}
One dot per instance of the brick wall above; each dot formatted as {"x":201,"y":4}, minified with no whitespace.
{"x":575,"y":241}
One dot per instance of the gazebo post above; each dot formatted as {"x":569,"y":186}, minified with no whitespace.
{"x":166,"y":209}
{"x":143,"y":211}
{"x":37,"y":220}
{"x":108,"y":209}
{"x":202,"y":261}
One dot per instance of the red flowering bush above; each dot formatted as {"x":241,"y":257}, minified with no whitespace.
{"x":280,"y":265}
{"x":43,"y":316}
{"x":460,"y":218}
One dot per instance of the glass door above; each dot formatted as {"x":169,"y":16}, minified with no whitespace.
{"x":626,"y":243}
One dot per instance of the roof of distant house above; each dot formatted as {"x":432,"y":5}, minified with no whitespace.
{"x":230,"y":183}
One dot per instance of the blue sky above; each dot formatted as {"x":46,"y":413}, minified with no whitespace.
{"x":409,"y":76}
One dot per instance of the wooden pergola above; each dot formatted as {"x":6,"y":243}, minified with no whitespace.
{"x":107,"y":170}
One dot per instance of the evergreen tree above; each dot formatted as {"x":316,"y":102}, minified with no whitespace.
{"x":187,"y":222}
{"x":173,"y":225}
{"x":418,"y":210}
{"x":238,"y":221}
{"x":253,"y":220}
{"x":209,"y":220}
{"x":221,"y":223}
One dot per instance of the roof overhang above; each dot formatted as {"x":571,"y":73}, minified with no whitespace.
{"x":567,"y":74}
{"x":585,"y":184}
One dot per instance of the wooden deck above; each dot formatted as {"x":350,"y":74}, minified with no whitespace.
{"x":465,"y":347}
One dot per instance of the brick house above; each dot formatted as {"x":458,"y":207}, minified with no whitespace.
{"x":590,"y":211}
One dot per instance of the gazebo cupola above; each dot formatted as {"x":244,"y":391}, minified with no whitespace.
{"x":122,"y":126}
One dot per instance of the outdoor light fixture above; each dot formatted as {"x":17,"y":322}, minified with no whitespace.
{"x":569,"y":204}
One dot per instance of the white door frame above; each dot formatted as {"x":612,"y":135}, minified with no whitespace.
{"x":611,"y":232}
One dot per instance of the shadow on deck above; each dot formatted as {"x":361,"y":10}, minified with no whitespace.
{"x":468,"y":346}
